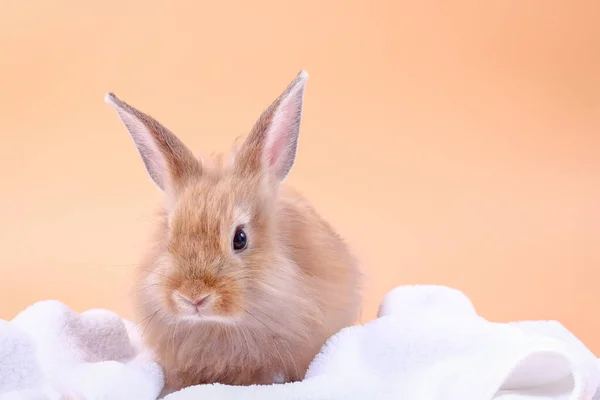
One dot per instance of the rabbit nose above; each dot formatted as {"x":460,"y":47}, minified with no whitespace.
{"x":197,"y":301}
{"x":200,"y":301}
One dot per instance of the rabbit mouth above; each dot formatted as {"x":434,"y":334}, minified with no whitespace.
{"x":198,"y":305}
{"x":198,"y":309}
{"x":213,"y":319}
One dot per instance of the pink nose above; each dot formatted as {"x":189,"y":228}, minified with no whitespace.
{"x":197,"y":302}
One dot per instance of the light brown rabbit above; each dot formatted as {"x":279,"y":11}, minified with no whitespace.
{"x":245,"y":281}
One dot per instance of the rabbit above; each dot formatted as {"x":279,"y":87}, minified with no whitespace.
{"x":244,"y":282}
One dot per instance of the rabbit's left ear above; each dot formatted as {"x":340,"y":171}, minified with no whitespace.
{"x":167,"y":160}
{"x":272,"y":144}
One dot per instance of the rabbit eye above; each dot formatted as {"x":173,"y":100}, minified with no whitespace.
{"x":240,"y":239}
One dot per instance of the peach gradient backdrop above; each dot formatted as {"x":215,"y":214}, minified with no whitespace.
{"x":453,"y":142}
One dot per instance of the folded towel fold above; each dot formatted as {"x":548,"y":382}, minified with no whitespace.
{"x":428,"y":343}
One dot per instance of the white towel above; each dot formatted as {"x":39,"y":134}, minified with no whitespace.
{"x":427,"y":344}
{"x":48,"y":352}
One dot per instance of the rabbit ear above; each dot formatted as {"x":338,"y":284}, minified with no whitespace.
{"x":168,"y":161}
{"x":273,"y":141}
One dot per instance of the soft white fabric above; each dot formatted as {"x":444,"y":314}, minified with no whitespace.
{"x":49,"y":351}
{"x":427,"y":344}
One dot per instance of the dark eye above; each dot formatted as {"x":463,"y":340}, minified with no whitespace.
{"x":240,"y":240}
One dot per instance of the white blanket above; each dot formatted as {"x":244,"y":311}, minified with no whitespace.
{"x":428,"y":343}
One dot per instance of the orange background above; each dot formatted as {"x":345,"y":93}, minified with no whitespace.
{"x":453,"y":143}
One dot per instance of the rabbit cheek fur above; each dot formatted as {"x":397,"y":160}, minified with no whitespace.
{"x":266,"y":310}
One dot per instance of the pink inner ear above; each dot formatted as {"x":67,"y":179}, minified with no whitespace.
{"x":281,"y":131}
{"x":276,"y":149}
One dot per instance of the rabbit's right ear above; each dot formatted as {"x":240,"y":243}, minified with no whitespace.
{"x":168,"y":161}
{"x":272,"y":144}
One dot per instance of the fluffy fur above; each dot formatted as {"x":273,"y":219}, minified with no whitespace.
{"x":270,"y":307}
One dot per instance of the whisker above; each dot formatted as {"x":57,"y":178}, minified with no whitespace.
{"x":283,"y":364}
{"x":280,"y":357}
{"x":96,"y":265}
{"x":173,"y":338}
{"x":149,"y":321}
{"x":146,"y":287}
{"x":227,"y":337}
{"x":188,"y":331}
{"x":241,"y":330}
{"x":122,"y":265}
{"x":291,"y":358}
{"x":151,"y":219}
{"x":162,"y":317}
{"x":298,"y":334}
{"x":271,"y":318}
{"x":233,"y":337}
{"x":253,"y":316}
{"x":158,"y":273}
{"x":149,"y":315}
